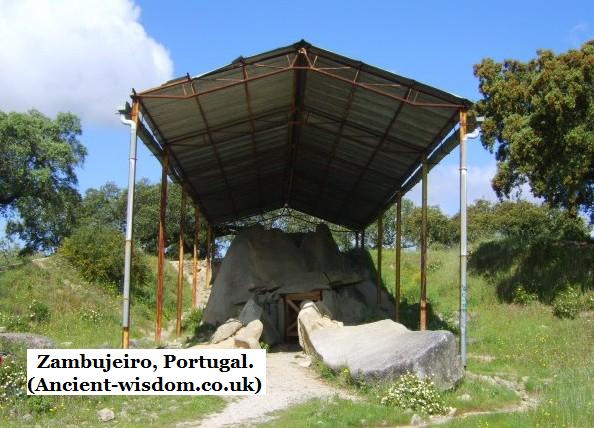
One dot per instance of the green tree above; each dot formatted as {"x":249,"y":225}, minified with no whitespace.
{"x":104,"y":206}
{"x":539,"y":121}
{"x":38,"y":157}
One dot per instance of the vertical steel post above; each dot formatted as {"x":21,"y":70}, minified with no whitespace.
{"x":398,"y":245}
{"x":180,"y":266}
{"x":133,"y":122}
{"x":208,"y":257}
{"x":161,"y":247}
{"x":195,"y":250}
{"x":423,"y":323}
{"x":463,"y":238}
{"x":380,"y":244}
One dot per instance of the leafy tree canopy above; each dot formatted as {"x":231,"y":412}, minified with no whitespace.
{"x":38,"y":157}
{"x":539,"y":121}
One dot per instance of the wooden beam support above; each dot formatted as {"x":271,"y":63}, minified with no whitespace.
{"x":398,"y":261}
{"x":180,"y":266}
{"x":423,"y":322}
{"x":161,"y":248}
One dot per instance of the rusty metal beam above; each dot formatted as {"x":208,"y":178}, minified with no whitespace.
{"x":373,"y":154}
{"x":395,"y":190}
{"x":195,"y":253}
{"x":253,"y":135}
{"x":294,"y":134}
{"x":423,"y":303}
{"x":178,"y":140}
{"x":398,"y":258}
{"x":161,"y":249}
{"x":215,"y":151}
{"x":338,"y":136}
{"x":369,"y":88}
{"x":380,"y":244}
{"x":362,"y":128}
{"x":209,"y":244}
{"x":180,"y":266}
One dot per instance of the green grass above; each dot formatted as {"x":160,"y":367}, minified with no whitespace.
{"x":553,"y":358}
{"x":83,"y":315}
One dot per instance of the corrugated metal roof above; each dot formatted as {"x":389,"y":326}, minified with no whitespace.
{"x":299,"y":127}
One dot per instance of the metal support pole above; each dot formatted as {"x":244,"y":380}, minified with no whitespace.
{"x":463,"y":243}
{"x":423,"y":323}
{"x":161,"y":248}
{"x":397,"y":264}
{"x":133,"y":123}
{"x":208,"y":257}
{"x":196,"y":248}
{"x":380,"y":244}
{"x":180,"y":266}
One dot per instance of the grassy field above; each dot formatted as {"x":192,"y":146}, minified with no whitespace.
{"x":83,"y":315}
{"x":550,"y":359}
{"x":547,"y":358}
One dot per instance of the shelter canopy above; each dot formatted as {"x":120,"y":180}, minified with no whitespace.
{"x":298,"y":127}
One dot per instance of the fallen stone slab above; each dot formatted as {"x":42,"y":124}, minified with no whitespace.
{"x":382,"y":350}
{"x":226,"y":330}
{"x":249,"y":336}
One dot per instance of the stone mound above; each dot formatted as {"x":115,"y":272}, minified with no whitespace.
{"x":265,"y":265}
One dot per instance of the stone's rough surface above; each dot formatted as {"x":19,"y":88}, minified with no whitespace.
{"x":250,"y":312}
{"x":270,"y":335}
{"x":263,"y":265}
{"x":30,"y":340}
{"x":380,"y":350}
{"x":249,"y":336}
{"x":310,"y":319}
{"x":226,"y":330}
{"x":105,"y":414}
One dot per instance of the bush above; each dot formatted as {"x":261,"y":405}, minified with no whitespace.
{"x":97,"y":252}
{"x":192,"y":321}
{"x":522,"y":297}
{"x":13,"y":379}
{"x":567,"y":304}
{"x":40,"y":403}
{"x":39,"y":312}
{"x":410,"y":392}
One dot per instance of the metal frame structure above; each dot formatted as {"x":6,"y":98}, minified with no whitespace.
{"x":303,"y":128}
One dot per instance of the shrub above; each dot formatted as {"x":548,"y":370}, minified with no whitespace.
{"x":522,"y":297}
{"x":39,"y":312}
{"x":192,"y":321}
{"x":567,"y":304}
{"x":411,"y":392}
{"x":40,"y":403}
{"x":97,"y":252}
{"x":13,"y":379}
{"x":13,"y":322}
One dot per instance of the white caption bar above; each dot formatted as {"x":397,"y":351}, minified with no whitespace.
{"x":146,"y":372}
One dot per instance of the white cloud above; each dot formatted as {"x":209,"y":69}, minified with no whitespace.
{"x":70,"y":55}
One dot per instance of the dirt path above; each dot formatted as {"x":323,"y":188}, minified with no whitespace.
{"x":289,"y":383}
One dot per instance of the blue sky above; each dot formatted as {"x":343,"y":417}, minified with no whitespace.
{"x":107,"y":47}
